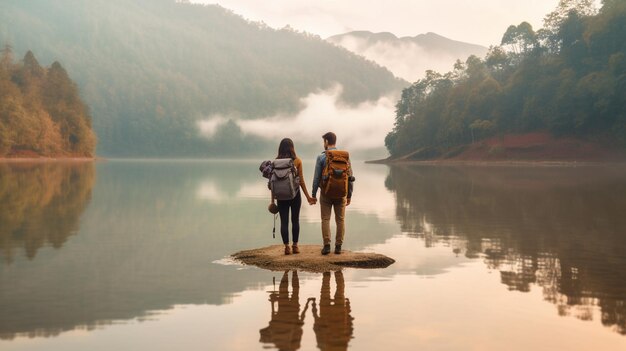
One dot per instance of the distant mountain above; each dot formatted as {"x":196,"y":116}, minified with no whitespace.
{"x":151,"y":69}
{"x":408,"y":57}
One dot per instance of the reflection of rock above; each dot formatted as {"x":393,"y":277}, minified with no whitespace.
{"x":559,"y":228}
{"x":310,"y":259}
{"x":40,"y":204}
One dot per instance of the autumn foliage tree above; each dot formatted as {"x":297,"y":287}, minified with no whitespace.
{"x":41,"y":111}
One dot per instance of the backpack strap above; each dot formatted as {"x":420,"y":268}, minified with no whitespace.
{"x":326,"y":165}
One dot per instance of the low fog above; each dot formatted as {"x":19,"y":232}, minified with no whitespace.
{"x":404,"y":59}
{"x":361,"y":127}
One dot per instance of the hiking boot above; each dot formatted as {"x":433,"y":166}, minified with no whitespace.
{"x":287,"y":250}
{"x":337,"y":249}
{"x":326,"y":249}
{"x":295,"y":249}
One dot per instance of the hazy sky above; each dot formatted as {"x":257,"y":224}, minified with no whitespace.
{"x":475,"y":21}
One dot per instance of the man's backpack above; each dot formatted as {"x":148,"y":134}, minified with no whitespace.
{"x":336,"y":174}
{"x":284,"y":181}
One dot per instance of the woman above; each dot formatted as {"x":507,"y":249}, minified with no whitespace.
{"x":287,"y":150}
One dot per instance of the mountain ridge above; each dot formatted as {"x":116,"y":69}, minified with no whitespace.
{"x":408,"y":57}
{"x":429,"y":38}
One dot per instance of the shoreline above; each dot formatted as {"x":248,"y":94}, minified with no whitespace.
{"x":538,"y":163}
{"x":539,"y":148}
{"x":49,"y":159}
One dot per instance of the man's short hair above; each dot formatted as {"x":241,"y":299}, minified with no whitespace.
{"x":330,"y":137}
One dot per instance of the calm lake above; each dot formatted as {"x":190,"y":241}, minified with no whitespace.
{"x":132,"y":255}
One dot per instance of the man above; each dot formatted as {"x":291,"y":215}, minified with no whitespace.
{"x":336,"y":189}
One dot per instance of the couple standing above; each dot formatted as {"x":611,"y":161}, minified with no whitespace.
{"x":333,"y":175}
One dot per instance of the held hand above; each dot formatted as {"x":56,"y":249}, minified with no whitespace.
{"x":312,"y":201}
{"x":348,"y":202}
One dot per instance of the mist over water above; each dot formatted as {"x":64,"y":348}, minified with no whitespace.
{"x":359,"y":127}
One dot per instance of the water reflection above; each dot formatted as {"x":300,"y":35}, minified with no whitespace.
{"x":146,"y":242}
{"x":40,"y":204}
{"x":562,"y":229}
{"x":333,"y":322}
{"x":333,"y":326}
{"x":285,"y":327}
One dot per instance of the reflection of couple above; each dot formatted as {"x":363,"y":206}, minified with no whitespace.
{"x":333,"y":325}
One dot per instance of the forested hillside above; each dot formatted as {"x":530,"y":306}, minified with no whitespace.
{"x":41,"y":113}
{"x":150,"y":69}
{"x":568,"y":78}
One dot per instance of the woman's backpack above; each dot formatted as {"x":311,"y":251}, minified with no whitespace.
{"x":284,"y":181}
{"x":336,"y":174}
{"x":266,"y":168}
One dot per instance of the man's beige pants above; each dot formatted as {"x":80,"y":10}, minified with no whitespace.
{"x":326,"y":205}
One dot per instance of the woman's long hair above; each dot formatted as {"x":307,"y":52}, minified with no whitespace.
{"x":286,"y":149}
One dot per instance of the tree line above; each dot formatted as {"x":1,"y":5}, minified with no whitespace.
{"x":41,"y":112}
{"x":568,"y":77}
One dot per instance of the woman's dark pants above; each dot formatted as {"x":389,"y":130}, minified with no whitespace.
{"x":283,"y":208}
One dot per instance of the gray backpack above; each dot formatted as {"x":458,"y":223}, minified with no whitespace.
{"x":284,"y":181}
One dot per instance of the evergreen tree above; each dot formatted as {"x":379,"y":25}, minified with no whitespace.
{"x":572,"y":84}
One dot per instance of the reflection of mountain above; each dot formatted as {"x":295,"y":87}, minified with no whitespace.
{"x":147,"y":242}
{"x":40,"y":204}
{"x":408,"y":57}
{"x":562,"y":229}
